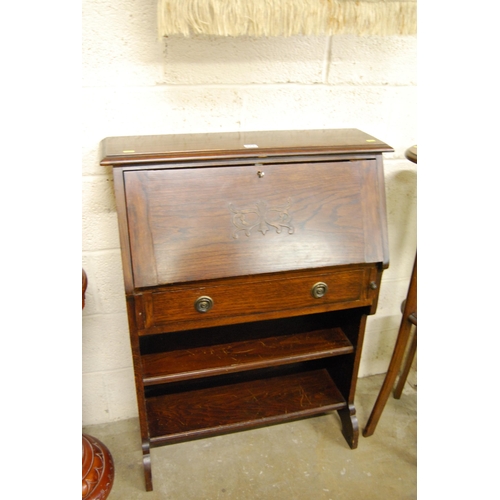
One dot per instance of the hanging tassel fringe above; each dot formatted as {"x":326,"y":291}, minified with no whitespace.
{"x":286,"y":17}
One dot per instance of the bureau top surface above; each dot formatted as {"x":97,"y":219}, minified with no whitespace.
{"x":118,"y":151}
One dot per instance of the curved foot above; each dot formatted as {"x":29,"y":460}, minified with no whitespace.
{"x":350,"y":428}
{"x":146,"y":462}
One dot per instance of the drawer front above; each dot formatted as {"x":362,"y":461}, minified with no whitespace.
{"x":221,"y":303}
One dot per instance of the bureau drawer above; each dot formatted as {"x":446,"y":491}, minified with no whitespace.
{"x":223,"y":302}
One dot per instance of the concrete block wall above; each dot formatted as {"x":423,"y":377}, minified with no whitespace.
{"x":135,"y":84}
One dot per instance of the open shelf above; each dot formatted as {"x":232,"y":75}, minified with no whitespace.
{"x":202,"y":361}
{"x":244,"y":404}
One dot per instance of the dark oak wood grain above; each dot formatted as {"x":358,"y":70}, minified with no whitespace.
{"x":170,"y":308}
{"x":242,"y":405}
{"x":159,"y":148}
{"x":251,"y":261}
{"x":235,"y":223}
{"x":243,"y":355}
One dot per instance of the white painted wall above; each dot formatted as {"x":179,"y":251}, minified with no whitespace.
{"x":134,"y":84}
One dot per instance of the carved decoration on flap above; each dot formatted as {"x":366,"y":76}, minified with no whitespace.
{"x":261,"y":218}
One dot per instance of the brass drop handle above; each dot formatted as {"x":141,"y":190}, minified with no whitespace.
{"x":319,"y":290}
{"x":203,"y":304}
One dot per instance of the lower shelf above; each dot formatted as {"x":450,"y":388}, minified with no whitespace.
{"x":243,"y":405}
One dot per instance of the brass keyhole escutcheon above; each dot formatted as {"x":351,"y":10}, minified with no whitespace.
{"x":203,"y":304}
{"x":319,"y":290}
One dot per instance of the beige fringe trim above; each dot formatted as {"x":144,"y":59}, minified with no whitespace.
{"x":286,"y":17}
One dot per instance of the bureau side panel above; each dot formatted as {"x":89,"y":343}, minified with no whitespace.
{"x":121,"y":209}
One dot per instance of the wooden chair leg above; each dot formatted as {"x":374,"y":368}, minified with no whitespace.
{"x":397,"y":355}
{"x":406,"y":370}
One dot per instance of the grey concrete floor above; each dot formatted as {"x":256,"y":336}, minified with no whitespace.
{"x":303,"y":460}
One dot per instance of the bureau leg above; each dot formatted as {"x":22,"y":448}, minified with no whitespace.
{"x":350,"y":428}
{"x":146,"y":462}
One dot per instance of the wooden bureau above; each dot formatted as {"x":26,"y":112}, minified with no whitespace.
{"x":251,"y":261}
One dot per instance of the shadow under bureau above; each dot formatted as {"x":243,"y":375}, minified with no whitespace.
{"x":251,"y":261}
